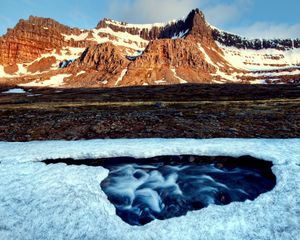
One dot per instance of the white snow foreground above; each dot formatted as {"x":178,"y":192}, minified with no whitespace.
{"x":66,"y":202}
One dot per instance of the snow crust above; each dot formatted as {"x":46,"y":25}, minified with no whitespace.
{"x":66,"y":202}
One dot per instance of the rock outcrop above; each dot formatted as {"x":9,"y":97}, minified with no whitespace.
{"x":102,"y":57}
{"x":170,"y":62}
{"x":42,"y":65}
{"x":31,"y":38}
{"x":232,"y":40}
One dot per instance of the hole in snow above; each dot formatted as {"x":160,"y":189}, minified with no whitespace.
{"x":143,"y":190}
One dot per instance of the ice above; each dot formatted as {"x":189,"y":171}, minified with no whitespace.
{"x":15,"y":91}
{"x":39,"y":201}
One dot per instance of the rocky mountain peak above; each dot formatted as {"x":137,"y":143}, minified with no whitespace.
{"x":198,"y":26}
{"x":35,"y":24}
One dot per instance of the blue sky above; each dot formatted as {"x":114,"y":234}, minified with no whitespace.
{"x":251,"y":18}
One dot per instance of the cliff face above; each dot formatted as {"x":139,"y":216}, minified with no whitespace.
{"x":232,"y":40}
{"x":121,"y":54}
{"x":33,"y":37}
{"x":102,"y":57}
{"x":194,"y":24}
{"x":148,"y":33}
{"x":169,"y":62}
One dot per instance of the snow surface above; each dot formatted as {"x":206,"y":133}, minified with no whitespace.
{"x":22,"y":70}
{"x":223,"y":75}
{"x":264,"y":59}
{"x":79,"y":37}
{"x":15,"y":91}
{"x":182,"y":81}
{"x":123,"y":39}
{"x":123,"y":73}
{"x":54,"y":81}
{"x":139,"y":26}
{"x":104,"y":82}
{"x":2,"y":72}
{"x":81,"y":72}
{"x":162,"y":81}
{"x":67,"y":53}
{"x":39,"y":201}
{"x":274,"y":74}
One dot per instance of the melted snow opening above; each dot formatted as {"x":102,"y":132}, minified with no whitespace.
{"x":165,"y":187}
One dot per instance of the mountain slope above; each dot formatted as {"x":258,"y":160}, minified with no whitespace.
{"x":121,"y":54}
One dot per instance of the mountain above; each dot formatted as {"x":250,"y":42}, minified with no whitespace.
{"x":44,"y":53}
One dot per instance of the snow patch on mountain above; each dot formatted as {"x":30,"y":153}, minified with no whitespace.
{"x":54,"y":81}
{"x":264,"y":59}
{"x":123,"y":39}
{"x":273,"y":74}
{"x":219,"y":73}
{"x":80,"y":37}
{"x":139,"y":26}
{"x":181,"y":34}
{"x":80,"y":73}
{"x":162,"y":81}
{"x":123,"y":73}
{"x":182,"y":81}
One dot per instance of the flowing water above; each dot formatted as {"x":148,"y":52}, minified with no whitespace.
{"x":163,"y":187}
{"x":160,"y":190}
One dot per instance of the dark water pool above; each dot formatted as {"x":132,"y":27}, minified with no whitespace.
{"x":143,"y":190}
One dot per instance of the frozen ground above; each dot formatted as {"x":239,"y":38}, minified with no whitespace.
{"x":15,"y":91}
{"x":66,"y":202}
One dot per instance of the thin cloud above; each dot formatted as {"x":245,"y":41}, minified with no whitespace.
{"x":224,"y":13}
{"x":269,"y":30}
{"x":149,"y":11}
{"x":77,"y":17}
